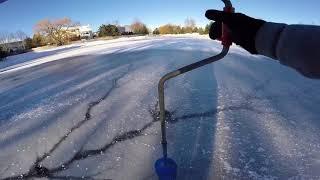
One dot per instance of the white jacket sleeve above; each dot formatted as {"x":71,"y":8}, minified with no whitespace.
{"x":296,"y":46}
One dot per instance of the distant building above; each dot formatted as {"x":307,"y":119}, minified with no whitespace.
{"x":13,"y":46}
{"x":125,"y":29}
{"x":121,"y":29}
{"x":128,"y":28}
{"x":84,"y":32}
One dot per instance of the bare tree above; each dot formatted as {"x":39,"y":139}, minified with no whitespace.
{"x":56,"y":30}
{"x":138,"y":27}
{"x":116,"y":23}
{"x":12,"y":41}
{"x":189,"y":22}
{"x":20,"y":36}
{"x":4,"y":39}
{"x":3,"y":47}
{"x":190,"y":25}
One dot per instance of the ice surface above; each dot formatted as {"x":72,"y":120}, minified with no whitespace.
{"x":88,"y":111}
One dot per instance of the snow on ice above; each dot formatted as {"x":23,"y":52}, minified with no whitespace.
{"x":89,"y":111}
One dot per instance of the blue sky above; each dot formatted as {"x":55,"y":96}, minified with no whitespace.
{"x":23,"y":14}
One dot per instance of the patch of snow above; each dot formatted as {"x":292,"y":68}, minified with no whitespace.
{"x":260,"y":149}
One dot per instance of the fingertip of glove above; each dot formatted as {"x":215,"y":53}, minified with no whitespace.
{"x":212,"y":36}
{"x":212,"y":14}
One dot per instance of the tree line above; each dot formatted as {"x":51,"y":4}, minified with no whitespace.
{"x":55,"y":32}
{"x":19,"y":38}
{"x":136,"y":28}
{"x":189,"y":27}
{"x":61,"y":31}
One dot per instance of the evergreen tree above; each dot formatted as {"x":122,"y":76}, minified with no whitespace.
{"x":200,"y":30}
{"x":156,"y":31}
{"x":28,"y":43}
{"x":38,"y":40}
{"x":3,"y":54}
{"x":108,"y":30}
{"x":207,"y":28}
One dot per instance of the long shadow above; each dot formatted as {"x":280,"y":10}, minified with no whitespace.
{"x":295,"y":112}
{"x":53,"y":72}
{"x":99,"y":66}
{"x":33,"y":102}
{"x":32,"y":55}
{"x":255,"y":152}
{"x":191,"y":143}
{"x":37,"y":170}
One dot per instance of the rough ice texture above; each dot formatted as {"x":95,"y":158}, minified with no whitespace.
{"x":89,"y":111}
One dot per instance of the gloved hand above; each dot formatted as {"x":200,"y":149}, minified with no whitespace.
{"x":243,"y":28}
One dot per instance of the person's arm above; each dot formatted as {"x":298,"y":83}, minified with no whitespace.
{"x":297,"y":46}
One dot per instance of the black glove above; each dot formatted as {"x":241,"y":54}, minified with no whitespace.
{"x":243,"y":28}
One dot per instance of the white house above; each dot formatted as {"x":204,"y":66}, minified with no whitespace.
{"x":125,"y":29}
{"x":84,"y":32}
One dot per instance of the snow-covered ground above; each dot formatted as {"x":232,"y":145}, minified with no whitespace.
{"x":87,"y":111}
